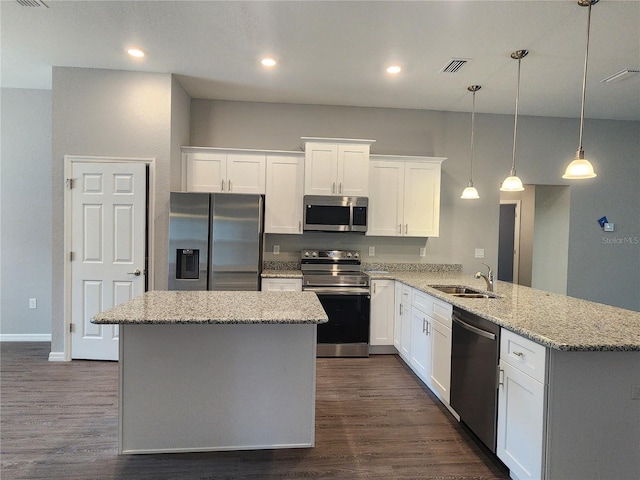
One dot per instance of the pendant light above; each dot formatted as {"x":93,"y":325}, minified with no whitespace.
{"x":512,"y":183}
{"x":581,"y":168}
{"x":470,"y":193}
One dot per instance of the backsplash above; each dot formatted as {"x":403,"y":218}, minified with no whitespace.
{"x":393,"y":267}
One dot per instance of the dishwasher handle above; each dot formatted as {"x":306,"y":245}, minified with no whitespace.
{"x":472,"y":329}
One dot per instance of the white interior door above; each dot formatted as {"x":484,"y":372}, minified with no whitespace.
{"x":108,"y":209}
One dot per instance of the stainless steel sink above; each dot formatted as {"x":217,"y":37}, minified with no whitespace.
{"x":464,"y":292}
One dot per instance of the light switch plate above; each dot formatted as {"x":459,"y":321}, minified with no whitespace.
{"x":276,"y":249}
{"x":479,"y":252}
{"x":372,"y":251}
{"x":423,"y":251}
{"x":33,"y":303}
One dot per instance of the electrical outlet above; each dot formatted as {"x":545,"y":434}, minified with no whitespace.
{"x":372,"y":251}
{"x":479,"y":252}
{"x":276,"y":249}
{"x":33,"y":303}
{"x":423,"y":251}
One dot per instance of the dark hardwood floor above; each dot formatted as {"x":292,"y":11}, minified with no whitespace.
{"x":374,"y":420}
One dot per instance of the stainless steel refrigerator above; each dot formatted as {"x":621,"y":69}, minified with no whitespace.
{"x":215,"y":241}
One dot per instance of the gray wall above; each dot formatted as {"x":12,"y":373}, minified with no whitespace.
{"x":25,"y":196}
{"x":604,"y":272}
{"x":117,"y":114}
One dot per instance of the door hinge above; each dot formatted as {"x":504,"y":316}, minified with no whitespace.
{"x":69,"y":183}
{"x":72,"y":328}
{"x":71,"y":256}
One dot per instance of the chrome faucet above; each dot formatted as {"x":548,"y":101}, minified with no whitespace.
{"x":488,"y":278}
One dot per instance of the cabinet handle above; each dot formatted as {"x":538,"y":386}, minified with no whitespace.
{"x":340,"y":188}
{"x":400,"y":228}
{"x":518,"y":354}
{"x":400,"y":309}
{"x":374,"y":288}
{"x":222,"y":185}
{"x":333,"y":187}
{"x":229,"y":186}
{"x":500,"y":377}
{"x":406,"y":228}
{"x":424,"y":329}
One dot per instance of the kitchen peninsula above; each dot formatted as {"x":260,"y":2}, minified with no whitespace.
{"x":204,"y":371}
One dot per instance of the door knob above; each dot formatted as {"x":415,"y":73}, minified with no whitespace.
{"x":136,"y":272}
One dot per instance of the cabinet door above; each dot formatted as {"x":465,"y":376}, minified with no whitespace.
{"x":397,"y":322}
{"x":283,"y":199}
{"x":246,"y":173}
{"x":281,"y":284}
{"x":441,"y":360}
{"x":382,"y":312}
{"x":386,"y":192}
{"x":520,"y":422}
{"x":421,"y":344}
{"x":421,"y":200}
{"x":206,"y":172}
{"x":353,"y":170}
{"x":320,"y":169}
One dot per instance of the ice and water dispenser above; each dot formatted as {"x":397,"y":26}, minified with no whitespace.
{"x":187,"y":264}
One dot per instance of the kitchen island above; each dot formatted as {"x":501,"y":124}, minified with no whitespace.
{"x":205,"y":371}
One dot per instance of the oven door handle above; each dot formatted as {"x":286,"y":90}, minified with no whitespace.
{"x":336,"y":290}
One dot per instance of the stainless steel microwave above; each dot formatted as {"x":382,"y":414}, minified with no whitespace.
{"x":335,"y":214}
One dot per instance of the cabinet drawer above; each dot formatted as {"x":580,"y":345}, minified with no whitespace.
{"x":523,"y":354}
{"x":406,"y":295}
{"x":422,"y":301}
{"x":442,"y":312}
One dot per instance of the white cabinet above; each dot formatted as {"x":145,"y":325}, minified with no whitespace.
{"x":382,"y":312}
{"x":521,"y":405}
{"x":420,"y":343}
{"x":404,"y":196}
{"x":441,"y":349}
{"x":219,"y":171}
{"x":284,"y":192}
{"x":282,"y":284}
{"x":402,"y":327}
{"x":334,"y":167}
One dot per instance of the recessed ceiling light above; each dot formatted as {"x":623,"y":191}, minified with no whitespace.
{"x":394,"y":69}
{"x":268,"y":62}
{"x":136,"y":52}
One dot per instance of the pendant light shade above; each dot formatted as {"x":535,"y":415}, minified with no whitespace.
{"x":581,"y":168}
{"x":470,"y":193}
{"x":512,"y":183}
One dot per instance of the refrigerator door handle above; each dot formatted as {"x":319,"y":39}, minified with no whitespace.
{"x":260,"y":212}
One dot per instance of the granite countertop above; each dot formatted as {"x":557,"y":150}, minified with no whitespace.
{"x":271,"y":273}
{"x":556,"y":321}
{"x":198,"y":307}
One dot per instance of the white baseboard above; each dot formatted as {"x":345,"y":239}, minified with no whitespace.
{"x":57,"y":357}
{"x":25,"y":337}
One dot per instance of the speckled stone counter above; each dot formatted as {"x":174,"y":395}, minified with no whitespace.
{"x":281,"y":273}
{"x":193,"y":307}
{"x":556,"y":321}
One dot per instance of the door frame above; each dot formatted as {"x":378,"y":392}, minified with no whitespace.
{"x":69,"y":160}
{"x":516,"y":238}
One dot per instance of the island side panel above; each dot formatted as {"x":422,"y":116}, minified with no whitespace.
{"x":593,"y":423}
{"x":187,"y":388}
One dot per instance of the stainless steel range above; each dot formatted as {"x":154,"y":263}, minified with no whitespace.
{"x":343,"y":290}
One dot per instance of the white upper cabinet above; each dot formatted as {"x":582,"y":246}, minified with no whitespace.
{"x":404,"y":196}
{"x":283,"y":199}
{"x":336,"y":167}
{"x":219,"y":171}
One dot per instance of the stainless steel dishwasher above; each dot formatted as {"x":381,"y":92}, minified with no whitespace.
{"x":474,"y":374}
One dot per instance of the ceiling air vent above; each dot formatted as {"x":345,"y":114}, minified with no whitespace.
{"x":455,"y":65}
{"x":32,"y":3}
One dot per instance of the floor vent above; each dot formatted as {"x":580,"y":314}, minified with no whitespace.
{"x":32,"y":3}
{"x":454,"y":65}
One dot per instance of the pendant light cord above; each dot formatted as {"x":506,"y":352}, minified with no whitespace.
{"x":515,"y":123}
{"x":584,"y":80}
{"x":473,"y":115}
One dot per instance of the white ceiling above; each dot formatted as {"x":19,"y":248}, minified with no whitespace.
{"x":335,"y":53}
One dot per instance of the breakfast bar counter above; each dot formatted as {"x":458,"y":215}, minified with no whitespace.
{"x":205,"y":371}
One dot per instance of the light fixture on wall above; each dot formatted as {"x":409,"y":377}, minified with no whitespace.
{"x":512,"y":183}
{"x":470,"y":193}
{"x":580,"y":167}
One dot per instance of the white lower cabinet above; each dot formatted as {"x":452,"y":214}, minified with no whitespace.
{"x":521,"y":406}
{"x":441,"y":350}
{"x":420,"y":343}
{"x":282,"y":284}
{"x":382,"y":312}
{"x":402,"y":334}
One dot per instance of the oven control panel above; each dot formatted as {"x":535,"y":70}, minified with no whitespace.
{"x":331,"y":254}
